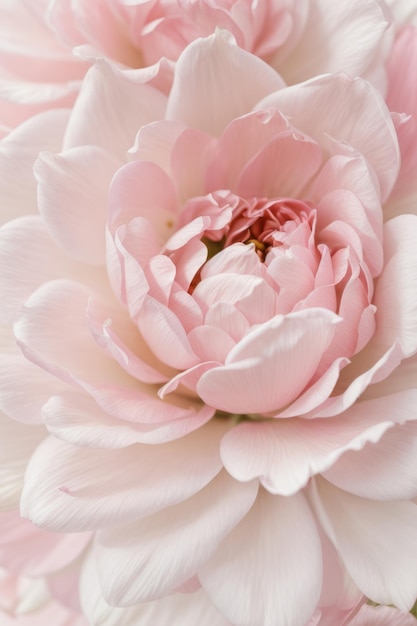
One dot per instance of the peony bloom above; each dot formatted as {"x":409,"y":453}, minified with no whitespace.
{"x":216,"y":322}
{"x":37,"y":38}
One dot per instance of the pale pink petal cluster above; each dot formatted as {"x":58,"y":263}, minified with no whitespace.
{"x":46,"y":47}
{"x":209,"y":300}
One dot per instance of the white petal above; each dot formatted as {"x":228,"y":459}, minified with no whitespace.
{"x":154,"y":556}
{"x":72,"y":197}
{"x":396,"y":289}
{"x":66,"y":488}
{"x":263,"y":572}
{"x":216,"y":81}
{"x":377,"y":542}
{"x":182,"y":609}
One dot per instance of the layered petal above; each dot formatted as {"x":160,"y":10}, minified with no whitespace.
{"x":216,"y":81}
{"x":271,"y":366}
{"x":158,"y":554}
{"x":66,"y":489}
{"x":285,"y":454}
{"x":266,"y":547}
{"x":321,"y":106}
{"x":376,"y":541}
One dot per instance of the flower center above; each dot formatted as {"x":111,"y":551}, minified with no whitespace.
{"x":266,"y":223}
{"x":270,"y":226}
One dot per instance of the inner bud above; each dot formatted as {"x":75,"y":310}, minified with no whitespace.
{"x":266,"y":223}
{"x":224,"y":219}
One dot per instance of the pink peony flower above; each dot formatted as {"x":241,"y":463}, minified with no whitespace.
{"x":39,"y":71}
{"x":219,"y":334}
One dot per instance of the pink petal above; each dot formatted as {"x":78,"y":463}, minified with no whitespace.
{"x":216,"y":81}
{"x":349,"y":110}
{"x":28,"y":550}
{"x":228,"y":318}
{"x":78,"y":420}
{"x":103,"y":27}
{"x":239,"y":143}
{"x":53,"y":332}
{"x":354,"y":174}
{"x":121,"y":105}
{"x":190,"y":157}
{"x":251,"y":295}
{"x":286,"y":453}
{"x":317,"y":393}
{"x":402,"y":97}
{"x":386,"y":471}
{"x":343,"y":205}
{"x":210,"y":343}
{"x":17,"y":443}
{"x":64,"y":584}
{"x":52,"y":613}
{"x":115,"y":333}
{"x":155,"y":141}
{"x":165,"y":335}
{"x":21,"y":100}
{"x":142,"y":189}
{"x":381,"y":369}
{"x":396,"y":289}
{"x":281,"y":168}
{"x":286,"y":349}
{"x":343,"y":38}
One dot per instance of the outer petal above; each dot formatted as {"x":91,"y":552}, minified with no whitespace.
{"x":286,"y":453}
{"x":28,"y":550}
{"x":39,"y":260}
{"x":382,"y":616}
{"x":402,"y":98}
{"x":174,"y":610}
{"x":100,"y":22}
{"x":52,"y":613}
{"x":17,"y":442}
{"x":271,"y":365}
{"x":24,"y":388}
{"x":156,"y":555}
{"x":72,"y":197}
{"x":287,"y":571}
{"x":385,"y":471}
{"x":377,"y":542}
{"x":21,"y":100}
{"x":67,"y":490}
{"x":121,"y":105}
{"x":396,"y":290}
{"x":343,"y":37}
{"x":75,"y":418}
{"x":18,"y":151}
{"x":350,"y":111}
{"x":215,"y":81}
{"x":53,"y":332}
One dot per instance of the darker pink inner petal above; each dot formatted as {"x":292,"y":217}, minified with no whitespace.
{"x":266,"y":223}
